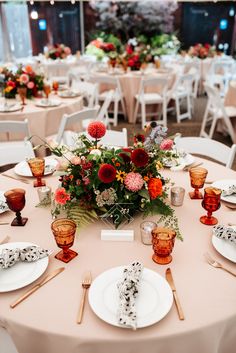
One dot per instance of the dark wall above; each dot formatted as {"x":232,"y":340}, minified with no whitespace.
{"x":201,"y":23}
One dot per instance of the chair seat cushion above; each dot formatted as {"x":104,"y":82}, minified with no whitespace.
{"x":149,"y":98}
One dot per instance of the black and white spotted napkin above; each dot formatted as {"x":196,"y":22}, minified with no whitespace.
{"x":223,"y":232}
{"x":230,"y":191}
{"x":128,"y":289}
{"x":9,"y":257}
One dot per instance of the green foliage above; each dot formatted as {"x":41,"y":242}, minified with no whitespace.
{"x":81,"y":216}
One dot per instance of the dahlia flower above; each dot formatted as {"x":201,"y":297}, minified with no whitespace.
{"x":61,"y":196}
{"x":107,"y":173}
{"x":139,"y":157}
{"x":166,"y":145}
{"x":96,"y":129}
{"x":154,"y":188}
{"x":133,"y":181}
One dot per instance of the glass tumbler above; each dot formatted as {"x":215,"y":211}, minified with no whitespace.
{"x":146,"y":231}
{"x":163,"y":240}
{"x":197,"y":178}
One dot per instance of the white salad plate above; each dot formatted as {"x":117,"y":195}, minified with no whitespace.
{"x":23,"y":168}
{"x":185,"y":161}
{"x":47,"y":103}
{"x":225,"y":247}
{"x":22,"y":273}
{"x":8,"y":108}
{"x":224,"y":185}
{"x":153,"y":302}
{"x":68,"y":94}
{"x":3,"y":205}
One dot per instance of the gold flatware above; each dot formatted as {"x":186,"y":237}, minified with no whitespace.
{"x":5,"y":240}
{"x":86,"y":283}
{"x":15,"y":178}
{"x":209,"y":182}
{"x":3,"y":223}
{"x":231,"y":224}
{"x":193,"y":165}
{"x":37,"y":286}
{"x":217,"y":264}
{"x":170,"y":280}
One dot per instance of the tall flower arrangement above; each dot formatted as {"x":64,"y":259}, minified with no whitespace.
{"x":202,"y":51}
{"x":25,"y":76}
{"x":97,"y":179}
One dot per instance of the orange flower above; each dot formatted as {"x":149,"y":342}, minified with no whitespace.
{"x":155,"y":188}
{"x":117,"y":164}
{"x":145,"y":178}
{"x":28,"y":69}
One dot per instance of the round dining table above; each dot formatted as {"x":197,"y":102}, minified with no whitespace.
{"x":46,"y":321}
{"x":43,"y":121}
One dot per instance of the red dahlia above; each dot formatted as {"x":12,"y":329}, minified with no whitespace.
{"x":96,"y":129}
{"x":139,"y":157}
{"x":126,"y":155}
{"x":107,"y":173}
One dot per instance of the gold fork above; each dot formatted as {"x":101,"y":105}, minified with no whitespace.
{"x":86,"y":283}
{"x":217,"y":264}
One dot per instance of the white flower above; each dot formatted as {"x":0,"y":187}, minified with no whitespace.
{"x":96,"y":152}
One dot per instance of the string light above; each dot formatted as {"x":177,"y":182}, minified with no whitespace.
{"x":31,"y":2}
{"x":34,"y":15}
{"x":52,"y":2}
{"x":73,"y":2}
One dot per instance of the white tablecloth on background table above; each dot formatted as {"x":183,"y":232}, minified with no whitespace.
{"x":46,"y":321}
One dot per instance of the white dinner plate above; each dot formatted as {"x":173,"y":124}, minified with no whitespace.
{"x":22,"y":273}
{"x":68,"y":94}
{"x":224,"y":185}
{"x":185,"y":161}
{"x":225,"y":247}
{"x":12,"y":107}
{"x":153,"y":302}
{"x":3,"y":205}
{"x":23,"y":168}
{"x":48,"y":103}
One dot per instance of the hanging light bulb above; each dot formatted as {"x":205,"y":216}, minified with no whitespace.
{"x":34,"y":15}
{"x":52,"y":2}
{"x":31,"y":2}
{"x":73,"y":2}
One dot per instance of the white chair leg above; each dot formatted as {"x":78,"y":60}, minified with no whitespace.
{"x":204,"y":121}
{"x":123,"y":108}
{"x":189,"y":107}
{"x":213,"y":125}
{"x":164,"y":109}
{"x":136,"y":111}
{"x":177,"y":109}
{"x":143,"y":114}
{"x":115,"y":118}
{"x":230,"y":129}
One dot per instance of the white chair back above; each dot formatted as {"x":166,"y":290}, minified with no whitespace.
{"x":209,"y":148}
{"x":9,"y":127}
{"x":103,"y":113}
{"x":68,"y":121}
{"x":115,"y":138}
{"x":89,"y":90}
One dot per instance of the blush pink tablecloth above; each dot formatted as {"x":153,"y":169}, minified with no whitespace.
{"x":43,"y":122}
{"x":46,"y":321}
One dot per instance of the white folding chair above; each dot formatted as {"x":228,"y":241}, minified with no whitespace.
{"x":89,"y":91}
{"x":102,"y":113}
{"x":215,"y":110}
{"x":7,"y":345}
{"x":182,"y":90}
{"x":115,"y":138}
{"x":16,"y":147}
{"x":143,"y":98}
{"x":209,"y":148}
{"x":117,"y":98}
{"x":67,"y":136}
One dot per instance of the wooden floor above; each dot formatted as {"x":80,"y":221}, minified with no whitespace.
{"x":185,"y":127}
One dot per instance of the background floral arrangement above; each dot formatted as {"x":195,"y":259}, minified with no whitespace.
{"x":58,"y":51}
{"x":202,"y":51}
{"x":96,"y":178}
{"x":25,"y":76}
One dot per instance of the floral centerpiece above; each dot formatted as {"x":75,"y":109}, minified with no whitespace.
{"x":164,"y":44}
{"x":136,"y":54}
{"x":26,"y":77}
{"x":202,"y":51}
{"x":58,"y":51}
{"x":117,"y":183}
{"x":101,"y":49}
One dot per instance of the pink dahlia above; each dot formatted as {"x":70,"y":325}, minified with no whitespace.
{"x":61,"y":196}
{"x":24,"y":78}
{"x":96,"y":129}
{"x":30,"y":84}
{"x":166,"y":145}
{"x":107,"y":173}
{"x":133,"y":181}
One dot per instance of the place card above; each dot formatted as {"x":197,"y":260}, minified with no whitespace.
{"x":117,"y":235}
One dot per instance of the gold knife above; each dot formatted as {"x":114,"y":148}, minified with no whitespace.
{"x":37,"y":286}
{"x":170,"y":280}
{"x":193,"y":165}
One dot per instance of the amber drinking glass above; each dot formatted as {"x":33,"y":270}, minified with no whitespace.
{"x":211,"y":203}
{"x":163,"y":240}
{"x":15,"y":200}
{"x":22,"y":93}
{"x":197,"y":178}
{"x":37,"y":168}
{"x":64,"y":233}
{"x":55,"y":86}
{"x":47,"y":90}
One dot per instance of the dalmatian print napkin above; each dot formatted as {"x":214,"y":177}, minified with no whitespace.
{"x":224,"y":232}
{"x":9,"y":257}
{"x":230,"y":191}
{"x":128,"y":289}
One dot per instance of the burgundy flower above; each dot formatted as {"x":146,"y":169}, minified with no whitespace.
{"x":139,"y":157}
{"x":126,"y":155}
{"x":107,"y":173}
{"x":139,"y":138}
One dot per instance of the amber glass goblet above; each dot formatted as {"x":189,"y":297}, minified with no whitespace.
{"x":15,"y":200}
{"x":37,"y":169}
{"x":163,"y":240}
{"x":55,"y":86}
{"x":211,"y":203}
{"x":22,"y":93}
{"x":64,"y":233}
{"x":197,"y":178}
{"x":47,"y":90}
